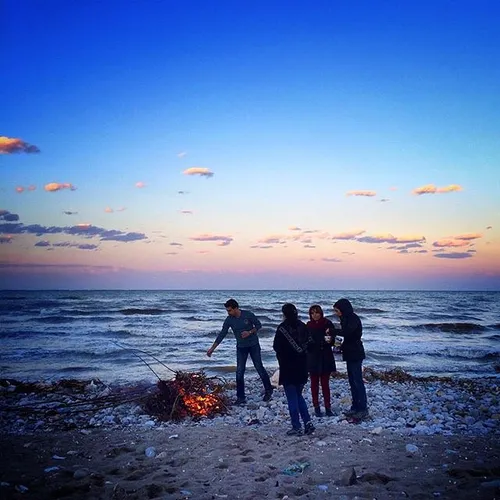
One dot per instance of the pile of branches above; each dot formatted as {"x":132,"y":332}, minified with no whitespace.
{"x":187,"y":395}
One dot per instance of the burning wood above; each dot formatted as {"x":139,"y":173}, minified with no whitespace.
{"x":187,"y":394}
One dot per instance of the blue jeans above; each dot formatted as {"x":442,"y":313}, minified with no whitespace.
{"x":241,"y":362}
{"x":358,"y":391}
{"x":296,"y":404}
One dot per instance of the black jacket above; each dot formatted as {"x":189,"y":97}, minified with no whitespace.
{"x":293,"y":364}
{"x":320,"y":357}
{"x":352,"y":330}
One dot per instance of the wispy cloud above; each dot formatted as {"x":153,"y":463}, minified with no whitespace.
{"x":201,"y":171}
{"x":69,"y":212}
{"x":140,"y":184}
{"x":453,"y":255}
{"x":294,"y":228}
{"x":187,"y":212}
{"x":309,"y":246}
{"x":272,"y":240}
{"x":262,"y":247}
{"x":349,"y":235}
{"x":212,"y":237}
{"x":10,"y":145}
{"x":108,"y":210}
{"x":331,"y":259}
{"x":432,"y":189}
{"x":468,"y":236}
{"x":182,"y":154}
{"x":383,"y":200}
{"x":361,"y":193}
{"x":489,"y":227}
{"x":182,"y":192}
{"x":175,"y":244}
{"x":57,"y":186}
{"x":19,"y":189}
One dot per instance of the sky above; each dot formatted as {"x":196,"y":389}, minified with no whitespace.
{"x":250,"y":145}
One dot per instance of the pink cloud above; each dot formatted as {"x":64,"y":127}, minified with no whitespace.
{"x":468,"y":237}
{"x":389,"y":238}
{"x":450,"y":244}
{"x":57,"y":186}
{"x":350,"y":235}
{"x":140,"y":184}
{"x":19,"y":189}
{"x":10,"y":145}
{"x":361,"y":193}
{"x":212,"y":237}
{"x":187,"y":212}
{"x":108,"y":210}
{"x":201,"y":171}
{"x":432,"y":189}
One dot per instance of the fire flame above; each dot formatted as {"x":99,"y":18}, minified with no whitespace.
{"x":200,"y":405}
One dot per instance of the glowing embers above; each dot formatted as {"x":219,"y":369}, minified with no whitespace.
{"x":187,"y":395}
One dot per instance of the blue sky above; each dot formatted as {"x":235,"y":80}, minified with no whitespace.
{"x":319,"y":126}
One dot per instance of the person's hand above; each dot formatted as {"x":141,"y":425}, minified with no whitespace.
{"x":209,"y":352}
{"x":245,"y":334}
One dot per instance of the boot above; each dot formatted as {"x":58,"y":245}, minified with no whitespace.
{"x":317,"y":411}
{"x":328,"y":412}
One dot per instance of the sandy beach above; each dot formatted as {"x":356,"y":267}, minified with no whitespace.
{"x":122,"y":453}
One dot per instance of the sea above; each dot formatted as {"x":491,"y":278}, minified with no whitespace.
{"x":141,"y":335}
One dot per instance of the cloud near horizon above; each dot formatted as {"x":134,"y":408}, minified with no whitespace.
{"x":57,"y":186}
{"x":224,"y":240}
{"x":10,"y":145}
{"x":361,"y":193}
{"x":389,"y":238}
{"x":453,"y":255}
{"x":201,"y":171}
{"x":84,"y":230}
{"x":432,"y":189}
{"x":450,"y":243}
{"x":349,"y":235}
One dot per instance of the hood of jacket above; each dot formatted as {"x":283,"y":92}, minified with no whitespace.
{"x":344,"y":306}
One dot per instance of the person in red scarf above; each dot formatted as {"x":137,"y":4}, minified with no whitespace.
{"x":320,"y":359}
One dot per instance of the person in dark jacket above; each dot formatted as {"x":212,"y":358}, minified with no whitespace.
{"x":353,"y":354}
{"x":290,"y":344}
{"x":320,"y":359}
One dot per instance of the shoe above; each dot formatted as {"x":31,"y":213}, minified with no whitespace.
{"x":240,"y":402}
{"x":268,"y":395}
{"x":309,"y":428}
{"x":360,"y":415}
{"x":317,"y":411}
{"x":328,"y":412}
{"x":294,"y":432}
{"x":350,"y":413}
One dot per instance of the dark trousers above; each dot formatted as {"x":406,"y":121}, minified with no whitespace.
{"x":296,"y":404}
{"x":358,"y":391}
{"x":324,"y":378}
{"x":241,"y":362}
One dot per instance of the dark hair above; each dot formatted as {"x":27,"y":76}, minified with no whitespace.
{"x":231,"y":304}
{"x":316,"y":307}
{"x":290,"y":312}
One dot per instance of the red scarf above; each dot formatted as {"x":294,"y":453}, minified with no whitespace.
{"x":321,"y":323}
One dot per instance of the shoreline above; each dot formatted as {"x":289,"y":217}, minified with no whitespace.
{"x":424,"y":439}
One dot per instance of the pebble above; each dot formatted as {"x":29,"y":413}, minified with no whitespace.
{"x":406,"y":408}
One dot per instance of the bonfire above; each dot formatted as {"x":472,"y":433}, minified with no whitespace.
{"x":187,"y":395}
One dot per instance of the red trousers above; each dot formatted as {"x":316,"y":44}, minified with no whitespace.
{"x":325,"y":387}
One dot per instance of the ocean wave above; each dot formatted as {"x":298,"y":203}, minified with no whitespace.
{"x":196,"y":318}
{"x":53,"y":320}
{"x":133,"y":310}
{"x":369,"y":310}
{"x":496,"y":326}
{"x":452,"y":327}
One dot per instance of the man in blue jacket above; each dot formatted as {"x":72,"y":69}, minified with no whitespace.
{"x":245,"y":326}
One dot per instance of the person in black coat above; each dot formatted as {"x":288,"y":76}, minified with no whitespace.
{"x":290,"y":344}
{"x":320,"y":359}
{"x":353,"y":354}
